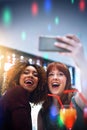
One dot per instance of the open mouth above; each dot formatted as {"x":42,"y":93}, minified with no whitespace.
{"x":30,"y":82}
{"x":55,"y":85}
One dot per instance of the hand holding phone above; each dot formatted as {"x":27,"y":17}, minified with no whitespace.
{"x":47,"y":43}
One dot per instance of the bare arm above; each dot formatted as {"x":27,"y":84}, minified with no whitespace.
{"x":77,"y":54}
{"x":74,"y":46}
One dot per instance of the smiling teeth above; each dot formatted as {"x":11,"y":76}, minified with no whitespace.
{"x":28,"y":81}
{"x":55,"y":84}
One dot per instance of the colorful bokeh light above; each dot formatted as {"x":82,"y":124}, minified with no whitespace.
{"x":49,"y":27}
{"x":56,"y":20}
{"x":34,"y":8}
{"x":55,"y":116}
{"x":53,"y":111}
{"x":46,"y":56}
{"x":47,"y":5}
{"x":6,"y":16}
{"x":23,"y":36}
{"x":82,"y":5}
{"x":72,"y":1}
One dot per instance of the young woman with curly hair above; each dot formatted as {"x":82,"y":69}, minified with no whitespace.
{"x":24,"y":84}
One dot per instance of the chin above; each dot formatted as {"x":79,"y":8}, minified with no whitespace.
{"x":55,"y":93}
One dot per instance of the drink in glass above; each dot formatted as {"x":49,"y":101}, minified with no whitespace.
{"x":68,"y":116}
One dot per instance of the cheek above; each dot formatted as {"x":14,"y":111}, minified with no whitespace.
{"x":49,"y":81}
{"x":37,"y":81}
{"x":20,"y":79}
{"x":64,"y":82}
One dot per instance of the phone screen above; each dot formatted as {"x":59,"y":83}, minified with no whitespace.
{"x":47,"y":44}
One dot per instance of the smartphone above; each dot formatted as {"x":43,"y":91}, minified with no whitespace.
{"x":46,"y":43}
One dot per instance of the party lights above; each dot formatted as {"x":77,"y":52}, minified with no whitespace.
{"x":23,"y":36}
{"x":57,"y":20}
{"x":6,"y":16}
{"x":34,"y":8}
{"x":82,"y":5}
{"x":47,"y":5}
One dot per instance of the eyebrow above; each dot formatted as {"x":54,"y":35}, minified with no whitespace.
{"x":29,"y":70}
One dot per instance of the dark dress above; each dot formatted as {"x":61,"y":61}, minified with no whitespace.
{"x":53,"y":122}
{"x":15,"y":110}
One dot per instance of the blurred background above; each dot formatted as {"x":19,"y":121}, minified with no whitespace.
{"x":23,"y":21}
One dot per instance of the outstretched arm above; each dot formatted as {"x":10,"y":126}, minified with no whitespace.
{"x":73,"y":44}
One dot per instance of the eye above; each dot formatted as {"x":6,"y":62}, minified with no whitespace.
{"x":61,"y":73}
{"x":50,"y":74}
{"x":25,"y":72}
{"x":35,"y":74}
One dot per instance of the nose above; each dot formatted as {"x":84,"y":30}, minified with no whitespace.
{"x":55,"y":76}
{"x":30,"y":75}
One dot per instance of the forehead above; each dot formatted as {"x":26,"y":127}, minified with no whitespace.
{"x":30,"y":68}
{"x":54,"y":69}
{"x":58,"y":67}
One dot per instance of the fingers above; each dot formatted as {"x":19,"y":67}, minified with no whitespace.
{"x":66,"y":40}
{"x":70,"y":39}
{"x":64,"y":45}
{"x":63,"y":39}
{"x":69,"y":42}
{"x":73,"y":37}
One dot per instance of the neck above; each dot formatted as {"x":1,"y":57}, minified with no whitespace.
{"x":55,"y":102}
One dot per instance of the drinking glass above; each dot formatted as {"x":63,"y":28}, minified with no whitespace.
{"x":68,"y":116}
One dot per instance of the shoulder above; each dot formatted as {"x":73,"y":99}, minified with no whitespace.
{"x":15,"y":92}
{"x":15,"y":97}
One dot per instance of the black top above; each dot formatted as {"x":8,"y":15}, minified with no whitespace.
{"x":52,"y":122}
{"x":15,"y":110}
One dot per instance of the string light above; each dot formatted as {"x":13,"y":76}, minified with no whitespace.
{"x":30,"y":61}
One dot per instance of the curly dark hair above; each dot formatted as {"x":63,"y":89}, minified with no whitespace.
{"x":65,"y":98}
{"x":12,"y":79}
